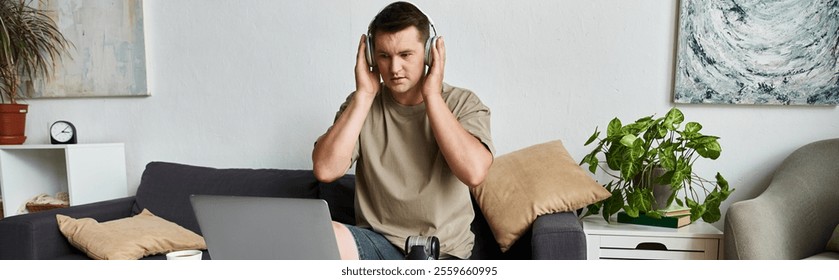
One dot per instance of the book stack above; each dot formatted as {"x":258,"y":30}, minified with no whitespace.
{"x":673,"y":217}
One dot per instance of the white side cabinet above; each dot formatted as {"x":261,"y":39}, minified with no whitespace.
{"x":697,"y":241}
{"x":87,"y":172}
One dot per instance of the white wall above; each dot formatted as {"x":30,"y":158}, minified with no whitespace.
{"x":253,"y":83}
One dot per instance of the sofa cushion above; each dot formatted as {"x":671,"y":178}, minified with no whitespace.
{"x":530,"y":182}
{"x":128,"y":238}
{"x":165,"y":187}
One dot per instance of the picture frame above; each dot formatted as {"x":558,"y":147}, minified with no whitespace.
{"x":758,"y":53}
{"x":108,"y":56}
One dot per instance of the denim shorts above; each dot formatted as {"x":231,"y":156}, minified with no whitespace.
{"x":373,"y":246}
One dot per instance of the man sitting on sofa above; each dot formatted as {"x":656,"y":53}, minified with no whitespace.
{"x":417,"y":142}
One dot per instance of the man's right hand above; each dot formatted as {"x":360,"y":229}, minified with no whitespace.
{"x":366,"y":81}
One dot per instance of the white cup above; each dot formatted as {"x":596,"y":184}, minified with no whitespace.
{"x":185,"y":255}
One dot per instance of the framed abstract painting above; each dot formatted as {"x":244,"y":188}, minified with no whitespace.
{"x":783,"y":52}
{"x":108,"y":55}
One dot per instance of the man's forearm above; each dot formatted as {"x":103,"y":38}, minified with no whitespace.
{"x":467,"y":157}
{"x":332,"y":154}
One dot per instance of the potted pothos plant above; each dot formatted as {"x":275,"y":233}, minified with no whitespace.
{"x":654,"y":152}
{"x":30,"y":43}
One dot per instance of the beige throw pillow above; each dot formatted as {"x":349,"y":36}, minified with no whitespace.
{"x":538,"y":180}
{"x":833,"y":244}
{"x":128,"y":239}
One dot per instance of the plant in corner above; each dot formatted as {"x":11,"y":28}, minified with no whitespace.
{"x":653,"y":154}
{"x":30,"y":43}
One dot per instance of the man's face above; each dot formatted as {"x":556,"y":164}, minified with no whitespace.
{"x":400,"y":59}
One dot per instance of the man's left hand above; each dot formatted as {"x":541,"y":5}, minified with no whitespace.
{"x":433,"y":85}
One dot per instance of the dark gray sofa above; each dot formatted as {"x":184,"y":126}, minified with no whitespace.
{"x":165,"y":189}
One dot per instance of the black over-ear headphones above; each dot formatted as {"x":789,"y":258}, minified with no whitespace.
{"x":430,"y":43}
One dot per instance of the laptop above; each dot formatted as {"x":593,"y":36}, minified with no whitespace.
{"x":265,"y":228}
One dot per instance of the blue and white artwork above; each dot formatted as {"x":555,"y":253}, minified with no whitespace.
{"x":780,"y":52}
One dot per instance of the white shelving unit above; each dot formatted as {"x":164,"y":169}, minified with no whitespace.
{"x":87,"y":172}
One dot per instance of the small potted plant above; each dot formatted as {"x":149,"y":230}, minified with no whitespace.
{"x":30,"y":43}
{"x":654,"y":152}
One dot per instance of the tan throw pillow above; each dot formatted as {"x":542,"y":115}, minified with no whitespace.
{"x":538,"y":180}
{"x":128,"y":239}
{"x":833,"y":244}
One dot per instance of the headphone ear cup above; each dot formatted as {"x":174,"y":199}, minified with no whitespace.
{"x":369,"y":52}
{"x":430,"y":43}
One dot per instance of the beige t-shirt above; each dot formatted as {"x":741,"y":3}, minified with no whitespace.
{"x":404,"y":186}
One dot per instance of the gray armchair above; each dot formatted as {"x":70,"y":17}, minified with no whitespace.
{"x":795,"y":216}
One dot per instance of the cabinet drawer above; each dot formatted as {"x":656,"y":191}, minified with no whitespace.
{"x":661,"y":248}
{"x":648,"y":243}
{"x":625,"y":254}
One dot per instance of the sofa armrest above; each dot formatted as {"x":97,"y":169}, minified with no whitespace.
{"x":558,"y":236}
{"x":36,"y":235}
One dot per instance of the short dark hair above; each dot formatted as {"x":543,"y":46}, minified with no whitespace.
{"x":398,"y":16}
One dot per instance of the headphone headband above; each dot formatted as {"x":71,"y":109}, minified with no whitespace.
{"x":429,"y":42}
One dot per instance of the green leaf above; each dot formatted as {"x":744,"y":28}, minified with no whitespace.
{"x":681,"y":173}
{"x":654,"y":130}
{"x":644,"y":120}
{"x":692,"y":127}
{"x":665,"y":178}
{"x":632,"y":128}
{"x":628,"y":140}
{"x":588,"y":160}
{"x":608,"y":186}
{"x":614,"y":128}
{"x":712,"y":198}
{"x":592,"y":209}
{"x":630,"y":168}
{"x":593,"y":163}
{"x":679,"y":202}
{"x":615,"y":155}
{"x":696,"y":209}
{"x":677,"y":179}
{"x":631,"y":211}
{"x":613,"y":204}
{"x":661,"y":129}
{"x":706,"y":146}
{"x":605,"y":214}
{"x":724,"y":190}
{"x":585,"y":159}
{"x":639,"y":201}
{"x":712,"y":208}
{"x":650,"y":134}
{"x":593,"y":137}
{"x":691,"y":130}
{"x":633,"y":204}
{"x":667,"y":157}
{"x":712,"y":214}
{"x":636,"y":151}
{"x":648,"y":199}
{"x":673,"y":118}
